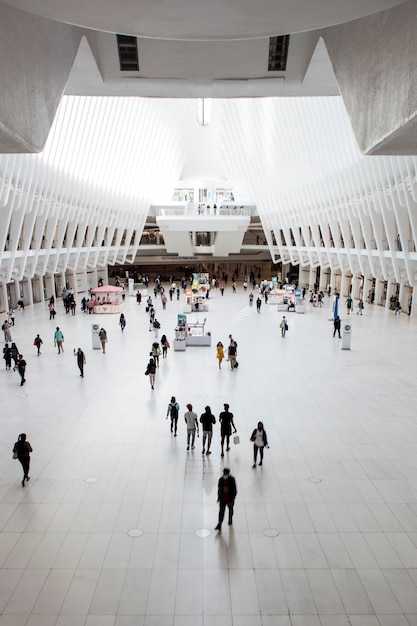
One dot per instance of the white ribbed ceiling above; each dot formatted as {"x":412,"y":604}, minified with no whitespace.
{"x":214,"y":20}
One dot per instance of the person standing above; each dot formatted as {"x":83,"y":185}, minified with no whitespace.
{"x":190,"y":419}
{"x":151,"y":371}
{"x":11,"y":316}
{"x":103,"y":339}
{"x":258,"y":304}
{"x":207,"y":420}
{"x":336,"y":326}
{"x":260,"y":440}
{"x":6,"y":329}
{"x":21,"y":451}
{"x":81,"y":360}
{"x":38,"y":342}
{"x":21,"y":368}
{"x":122,"y":322}
{"x":226,"y":495}
{"x":59,"y":340}
{"x":173,"y":411}
{"x":226,"y":423}
{"x":220,"y":353}
{"x":283,"y":326}
{"x":222,"y":288}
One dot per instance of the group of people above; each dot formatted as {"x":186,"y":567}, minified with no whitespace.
{"x":231,"y":353}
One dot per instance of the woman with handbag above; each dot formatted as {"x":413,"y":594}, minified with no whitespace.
{"x":260,"y":440}
{"x":21,"y":451}
{"x":151,"y":371}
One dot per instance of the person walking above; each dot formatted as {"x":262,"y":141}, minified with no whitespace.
{"x":155,"y":353}
{"x":336,"y":326}
{"x":81,"y":360}
{"x":349,"y":303}
{"x":165,"y":345}
{"x":38,"y":342}
{"x":207,"y":420}
{"x":283,"y":326}
{"x":6,"y":329}
{"x":260,"y":440}
{"x":361,"y":307}
{"x":226,"y":496}
{"x":122,"y":322}
{"x":258,"y":304}
{"x":14,"y":351}
{"x":11,"y":316}
{"x":21,"y":451}
{"x":220,"y":353}
{"x":190,"y":419}
{"x":156,"y":326}
{"x":103,"y":339}
{"x":250,"y":299}
{"x":151,"y":371}
{"x":21,"y":368}
{"x":173,"y":412}
{"x":7,"y":356}
{"x":222,"y":288}
{"x":59,"y":340}
{"x":226,"y":423}
{"x":233,"y":354}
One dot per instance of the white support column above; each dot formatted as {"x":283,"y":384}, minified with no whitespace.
{"x":379,"y":292}
{"x":4,"y":303}
{"x":311,"y":277}
{"x":344,"y":286}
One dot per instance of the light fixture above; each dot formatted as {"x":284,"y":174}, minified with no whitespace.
{"x":203,"y":111}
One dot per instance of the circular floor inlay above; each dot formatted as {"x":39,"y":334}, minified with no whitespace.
{"x":270,"y":532}
{"x":91,"y":479}
{"x":314,"y":479}
{"x":202,"y":532}
{"x":135,"y":532}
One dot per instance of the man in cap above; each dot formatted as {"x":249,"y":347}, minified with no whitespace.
{"x":192,"y":426}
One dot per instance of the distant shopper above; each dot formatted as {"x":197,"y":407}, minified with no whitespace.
{"x":250,"y":299}
{"x":397,"y":307}
{"x":165,"y":346}
{"x":283,"y":326}
{"x":38,"y":342}
{"x":233,"y":355}
{"x":7,"y":356}
{"x":151,"y":371}
{"x":207,"y":420}
{"x":336,"y":326}
{"x":260,"y":440}
{"x":21,"y":368}
{"x":190,"y":419}
{"x":360,"y":307}
{"x":156,"y":326}
{"x":81,"y":360}
{"x":172,"y":412}
{"x":6,"y":329}
{"x":349,"y":303}
{"x":21,"y":451}
{"x":59,"y":340}
{"x":258,"y":304}
{"x":226,"y":423}
{"x":226,"y":495}
{"x":220,"y":353}
{"x":222,"y":289}
{"x":122,"y":322}
{"x":103,"y":339}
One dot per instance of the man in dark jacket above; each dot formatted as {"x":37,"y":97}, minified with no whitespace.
{"x":336,"y":325}
{"x":226,"y":494}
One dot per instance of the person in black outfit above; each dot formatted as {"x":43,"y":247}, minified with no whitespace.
{"x":81,"y":360}
{"x":173,"y":410}
{"x":21,"y":368}
{"x":226,"y":423}
{"x":336,"y":324}
{"x":226,"y":495}
{"x":207,"y":420}
{"x":21,"y":451}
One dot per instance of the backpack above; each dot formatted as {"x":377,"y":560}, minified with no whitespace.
{"x":174,"y":410}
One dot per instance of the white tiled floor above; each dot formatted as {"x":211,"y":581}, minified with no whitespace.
{"x":337,"y":492}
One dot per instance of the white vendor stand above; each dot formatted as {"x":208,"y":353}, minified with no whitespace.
{"x":196,"y":335}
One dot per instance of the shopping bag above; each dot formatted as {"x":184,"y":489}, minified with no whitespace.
{"x":236,"y":439}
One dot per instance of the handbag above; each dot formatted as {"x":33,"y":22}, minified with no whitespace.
{"x":236,"y":439}
{"x":15,"y":455}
